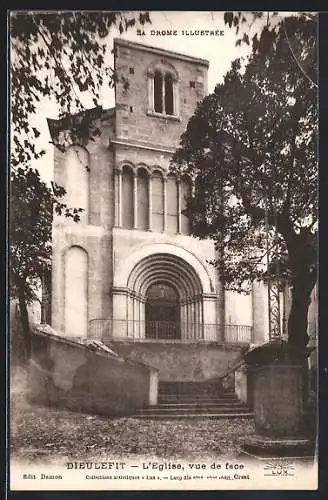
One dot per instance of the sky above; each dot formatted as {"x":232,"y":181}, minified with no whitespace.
{"x":220,"y":51}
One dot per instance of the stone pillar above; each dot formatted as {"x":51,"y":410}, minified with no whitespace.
{"x":119,"y":315}
{"x":153,"y":387}
{"x":192,"y":315}
{"x":260,"y":315}
{"x":179,"y":204}
{"x":164,"y":204}
{"x":163,"y":95}
{"x":210,"y":303}
{"x":130,"y":318}
{"x":142,"y":316}
{"x":136,"y":318}
{"x":135,"y":200}
{"x":119,"y":195}
{"x":150,"y":203}
{"x":183,"y":321}
{"x":278,"y":399}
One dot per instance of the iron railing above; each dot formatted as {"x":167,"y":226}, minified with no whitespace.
{"x":143,"y":331}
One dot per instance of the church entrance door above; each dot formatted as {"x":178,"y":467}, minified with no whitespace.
{"x":162,"y":312}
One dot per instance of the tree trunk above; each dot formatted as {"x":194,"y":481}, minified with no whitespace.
{"x":298,"y":318}
{"x":24,"y":337}
{"x":302,"y":255}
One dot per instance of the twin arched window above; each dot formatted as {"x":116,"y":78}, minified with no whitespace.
{"x":163,"y":93}
{"x":163,"y":90}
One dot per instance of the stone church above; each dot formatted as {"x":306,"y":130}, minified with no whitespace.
{"x":129,"y":273}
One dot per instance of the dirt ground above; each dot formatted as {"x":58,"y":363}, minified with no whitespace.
{"x":38,"y":433}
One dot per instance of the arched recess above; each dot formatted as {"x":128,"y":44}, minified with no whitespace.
{"x":124,"y":270}
{"x":177,"y":268}
{"x":166,"y":323}
{"x":76,"y":292}
{"x":186,"y":189}
{"x":127,"y":197}
{"x":172,"y":204}
{"x":77,"y":163}
{"x":157,"y":201}
{"x":143,"y":199}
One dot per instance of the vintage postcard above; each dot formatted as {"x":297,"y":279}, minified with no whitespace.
{"x":163,"y":252}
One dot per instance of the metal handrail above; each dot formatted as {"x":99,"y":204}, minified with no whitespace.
{"x":179,"y":331}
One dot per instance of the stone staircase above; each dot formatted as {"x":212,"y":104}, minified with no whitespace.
{"x":192,"y":400}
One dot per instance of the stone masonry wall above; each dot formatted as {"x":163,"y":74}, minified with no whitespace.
{"x":132,"y":120}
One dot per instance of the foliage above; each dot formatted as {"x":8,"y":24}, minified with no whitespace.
{"x":252,"y":145}
{"x":59,"y":57}
{"x":31,"y":208}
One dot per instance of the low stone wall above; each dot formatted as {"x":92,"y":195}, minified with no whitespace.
{"x":67,"y":374}
{"x":182,"y":362}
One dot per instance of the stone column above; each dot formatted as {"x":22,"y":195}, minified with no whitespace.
{"x":150,"y":202}
{"x":135,"y":200}
{"x":260,"y":314}
{"x":142,"y":316}
{"x":119,"y":197}
{"x":164,"y":203}
{"x":209,"y":316}
{"x":179,"y":204}
{"x":182,"y":321}
{"x":163,"y":95}
{"x":197,"y":322}
{"x":192,"y":318}
{"x":130,"y":318}
{"x":136,"y":318}
{"x":119,"y":315}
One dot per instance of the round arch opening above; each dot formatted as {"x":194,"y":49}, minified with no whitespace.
{"x":162,"y":311}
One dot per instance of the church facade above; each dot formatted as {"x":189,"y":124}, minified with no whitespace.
{"x":130,"y":271}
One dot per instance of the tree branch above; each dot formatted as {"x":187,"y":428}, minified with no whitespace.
{"x":59,"y":64}
{"x":295,"y":59}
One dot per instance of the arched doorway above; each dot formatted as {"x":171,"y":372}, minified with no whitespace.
{"x":162,"y":312}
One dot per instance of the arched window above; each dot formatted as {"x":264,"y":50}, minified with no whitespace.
{"x":157,"y":202}
{"x":186,"y":187}
{"x":143,"y":199}
{"x":76,"y":292}
{"x":168,"y":94}
{"x":172,"y":205}
{"x":158,"y":92}
{"x":127,"y":197}
{"x":163,"y":90}
{"x":77,"y":180}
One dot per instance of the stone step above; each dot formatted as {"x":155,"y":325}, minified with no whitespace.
{"x":189,"y":416}
{"x":177,"y":399}
{"x":204,"y":387}
{"x":195,"y":404}
{"x":205,"y":409}
{"x":217,"y":394}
